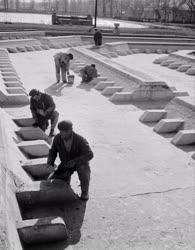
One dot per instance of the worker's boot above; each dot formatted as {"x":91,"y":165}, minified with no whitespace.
{"x":84,"y":196}
{"x":51,"y":134}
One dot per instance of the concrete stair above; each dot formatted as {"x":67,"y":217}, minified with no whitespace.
{"x":153,"y":115}
{"x":108,"y":91}
{"x":169,"y":125}
{"x":184,"y":137}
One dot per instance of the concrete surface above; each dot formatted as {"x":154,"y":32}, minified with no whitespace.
{"x":142,"y":186}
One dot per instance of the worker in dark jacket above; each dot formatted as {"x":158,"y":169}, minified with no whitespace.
{"x":98,"y":37}
{"x":43,"y":109}
{"x":88,"y":73}
{"x":74,"y":153}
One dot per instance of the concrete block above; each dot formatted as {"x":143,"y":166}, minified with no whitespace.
{"x":9,"y":74}
{"x":184,"y":68}
{"x":37,"y":168}
{"x":24,"y":121}
{"x":12,"y":50}
{"x":29,"y":48}
{"x":32,"y":133}
{"x":159,"y":60}
{"x":15,"y":90}
{"x":148,"y":51}
{"x":5,"y":65}
{"x":44,"y":47}
{"x":108,"y":91}
{"x":168,"y":125}
{"x":98,"y":79}
{"x":121,"y":97}
{"x":135,"y":51}
{"x":34,"y":149}
{"x":37,"y":47}
{"x":153,"y":115}
{"x":17,"y":99}
{"x":184,"y":137}
{"x":121,"y":53}
{"x":10,"y":79}
{"x":42,"y":230}
{"x":112,"y":54}
{"x":166,"y":62}
{"x":180,"y":93}
{"x":12,"y":84}
{"x":8,"y":69}
{"x":174,"y":65}
{"x":103,"y":84}
{"x":45,"y":192}
{"x":21,"y":49}
{"x":191,"y":71}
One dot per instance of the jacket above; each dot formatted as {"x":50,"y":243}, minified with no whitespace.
{"x":80,"y":150}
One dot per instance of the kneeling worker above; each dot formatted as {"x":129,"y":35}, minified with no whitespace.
{"x":62,"y":62}
{"x":43,"y":109}
{"x":88,"y":73}
{"x":74,"y":153}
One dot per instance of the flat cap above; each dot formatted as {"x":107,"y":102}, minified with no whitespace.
{"x":33,"y":92}
{"x":65,"y":125}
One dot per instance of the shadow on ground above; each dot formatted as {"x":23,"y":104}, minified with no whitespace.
{"x":56,"y":89}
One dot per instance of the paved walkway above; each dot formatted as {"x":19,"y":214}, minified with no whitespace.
{"x":141,"y":194}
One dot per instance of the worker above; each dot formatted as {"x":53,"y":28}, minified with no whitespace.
{"x":43,"y":109}
{"x":62,"y":61}
{"x":88,"y":73}
{"x":74,"y":153}
{"x":98,"y":37}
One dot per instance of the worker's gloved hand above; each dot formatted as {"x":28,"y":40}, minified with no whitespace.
{"x":70,"y":164}
{"x":35,"y":124}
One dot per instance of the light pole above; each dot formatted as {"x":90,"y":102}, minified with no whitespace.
{"x":96,"y":12}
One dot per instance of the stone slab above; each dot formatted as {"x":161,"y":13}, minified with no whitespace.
{"x":34,"y":149}
{"x":103,"y":84}
{"x":191,"y":71}
{"x":184,"y":68}
{"x":13,"y":84}
{"x":166,"y":63}
{"x":184,"y":137}
{"x":37,"y":168}
{"x":21,"y":49}
{"x":108,"y":91}
{"x":168,"y":125}
{"x":121,"y":97}
{"x":15,"y":90}
{"x":159,"y":60}
{"x":42,"y":230}
{"x":174,"y":65}
{"x":45,"y":192}
{"x":32,"y":133}
{"x":24,"y":121}
{"x":153,"y":115}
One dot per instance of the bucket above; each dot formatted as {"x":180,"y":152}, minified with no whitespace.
{"x":71,"y":79}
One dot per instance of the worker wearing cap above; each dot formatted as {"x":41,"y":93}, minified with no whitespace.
{"x":74,"y":153}
{"x":43,"y":109}
{"x":88,"y":73}
{"x":62,"y":63}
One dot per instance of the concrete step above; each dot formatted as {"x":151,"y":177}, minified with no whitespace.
{"x":159,"y":60}
{"x":21,"y":49}
{"x":13,"y":84}
{"x":108,"y":91}
{"x":184,"y":68}
{"x":103,"y":84}
{"x":29,"y":48}
{"x":37,"y":47}
{"x":180,"y":93}
{"x":112,"y":54}
{"x":24,"y":121}
{"x":32,"y":133}
{"x":191,"y":71}
{"x":98,"y":79}
{"x":34,"y":149}
{"x":12,"y":50}
{"x":174,"y":65}
{"x":184,"y":137}
{"x":153,"y":115}
{"x":43,"y":230}
{"x":168,"y":125}
{"x":121,"y":97}
{"x":41,"y":193}
{"x":166,"y":63}
{"x":37,"y":168}
{"x":121,"y":53}
{"x":15,"y":90}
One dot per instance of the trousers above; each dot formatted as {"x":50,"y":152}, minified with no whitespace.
{"x":83,"y":171}
{"x":43,"y":122}
{"x":61,"y":68}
